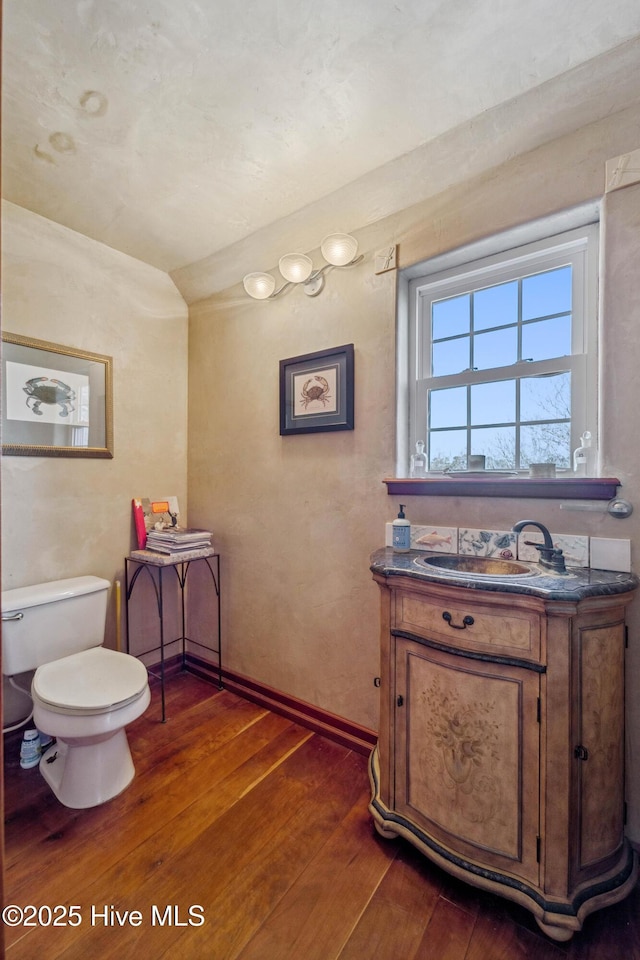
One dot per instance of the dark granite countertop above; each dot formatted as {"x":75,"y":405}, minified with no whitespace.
{"x":576,"y":584}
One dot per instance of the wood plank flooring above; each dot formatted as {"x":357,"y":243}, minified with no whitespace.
{"x":261,"y":828}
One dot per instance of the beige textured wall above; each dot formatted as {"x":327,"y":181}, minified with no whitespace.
{"x":296,"y":518}
{"x":64,"y":517}
{"x":620,"y":406}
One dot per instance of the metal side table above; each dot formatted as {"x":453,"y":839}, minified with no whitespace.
{"x":155,"y":567}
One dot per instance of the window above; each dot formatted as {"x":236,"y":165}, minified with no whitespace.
{"x":502,"y":355}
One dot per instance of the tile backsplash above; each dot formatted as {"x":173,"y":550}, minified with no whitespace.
{"x":487,"y":543}
{"x":610,"y":554}
{"x":440,"y":539}
{"x":597,"y":552}
{"x":574,"y":548}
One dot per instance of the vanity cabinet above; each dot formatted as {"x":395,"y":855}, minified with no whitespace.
{"x":501,"y":743}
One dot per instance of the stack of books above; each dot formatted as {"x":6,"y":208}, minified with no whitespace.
{"x":174,"y":545}
{"x":173,"y":540}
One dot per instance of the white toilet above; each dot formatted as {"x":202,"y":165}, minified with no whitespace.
{"x":84,"y":694}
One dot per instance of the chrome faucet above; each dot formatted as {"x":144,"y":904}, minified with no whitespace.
{"x":551,"y":558}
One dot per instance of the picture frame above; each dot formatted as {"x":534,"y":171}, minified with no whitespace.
{"x":68,"y":407}
{"x":316,"y":391}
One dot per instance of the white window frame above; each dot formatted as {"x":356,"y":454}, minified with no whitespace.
{"x":491,"y":261}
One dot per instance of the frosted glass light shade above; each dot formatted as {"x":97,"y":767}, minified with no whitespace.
{"x":339,"y":249}
{"x":295,"y":267}
{"x":260,"y":286}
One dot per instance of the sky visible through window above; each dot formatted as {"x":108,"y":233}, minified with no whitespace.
{"x":515,"y":418}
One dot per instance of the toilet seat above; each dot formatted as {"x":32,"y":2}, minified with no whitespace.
{"x":93,"y":681}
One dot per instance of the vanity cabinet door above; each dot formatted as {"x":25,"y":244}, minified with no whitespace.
{"x":598,"y":748}
{"x":467,"y":747}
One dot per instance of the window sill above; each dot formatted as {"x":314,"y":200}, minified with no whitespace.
{"x":560,"y":488}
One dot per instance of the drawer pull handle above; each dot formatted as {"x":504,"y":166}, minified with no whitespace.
{"x":466,"y":622}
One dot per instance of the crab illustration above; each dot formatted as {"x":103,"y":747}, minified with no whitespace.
{"x":315,"y":388}
{"x":41,"y":390}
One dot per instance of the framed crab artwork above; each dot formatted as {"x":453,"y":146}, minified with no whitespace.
{"x":56,"y":401}
{"x":316,"y":391}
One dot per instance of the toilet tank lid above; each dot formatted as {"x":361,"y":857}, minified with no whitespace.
{"x":20,"y":598}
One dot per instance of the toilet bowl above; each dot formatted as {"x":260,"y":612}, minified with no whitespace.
{"x":85,"y":701}
{"x":83,"y":694}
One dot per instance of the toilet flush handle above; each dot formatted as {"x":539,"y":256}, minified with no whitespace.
{"x":13,"y":616}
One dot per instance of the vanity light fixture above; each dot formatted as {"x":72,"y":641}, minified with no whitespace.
{"x":338,"y":249}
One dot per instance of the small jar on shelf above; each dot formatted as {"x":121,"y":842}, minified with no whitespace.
{"x":418,"y":466}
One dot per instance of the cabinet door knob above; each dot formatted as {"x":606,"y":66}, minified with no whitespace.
{"x":581,"y":753}
{"x":466,"y":622}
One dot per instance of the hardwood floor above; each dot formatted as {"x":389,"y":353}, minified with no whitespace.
{"x":261,"y":827}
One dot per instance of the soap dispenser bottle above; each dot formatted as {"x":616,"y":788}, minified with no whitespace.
{"x":401,"y":532}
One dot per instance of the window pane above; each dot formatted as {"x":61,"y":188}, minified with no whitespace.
{"x":545,"y":398}
{"x":496,"y":306}
{"x":451,"y":317}
{"x":546,"y":293}
{"x":450,"y":356}
{"x":546,"y":443}
{"x":546,"y":339}
{"x":448,"y":408}
{"x":492,"y":345}
{"x":493,"y":402}
{"x":498,"y":445}
{"x":448,"y":450}
{"x":497,"y":349}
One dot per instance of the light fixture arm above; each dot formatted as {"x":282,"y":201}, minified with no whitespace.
{"x":310,"y":286}
{"x":315,"y":283}
{"x":276,"y":293}
{"x":261,"y":286}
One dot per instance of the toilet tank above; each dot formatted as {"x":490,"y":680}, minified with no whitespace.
{"x":48,"y":621}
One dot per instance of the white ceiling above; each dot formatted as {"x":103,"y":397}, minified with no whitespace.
{"x":174,"y":130}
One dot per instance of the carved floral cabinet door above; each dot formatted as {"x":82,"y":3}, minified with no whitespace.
{"x":470,"y":733}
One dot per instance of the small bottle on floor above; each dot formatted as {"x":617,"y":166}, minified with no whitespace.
{"x":30,"y":750}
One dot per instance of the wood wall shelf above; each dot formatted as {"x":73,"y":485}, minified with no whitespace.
{"x":560,"y":488}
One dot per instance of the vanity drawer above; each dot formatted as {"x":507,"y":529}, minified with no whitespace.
{"x":496,"y":626}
